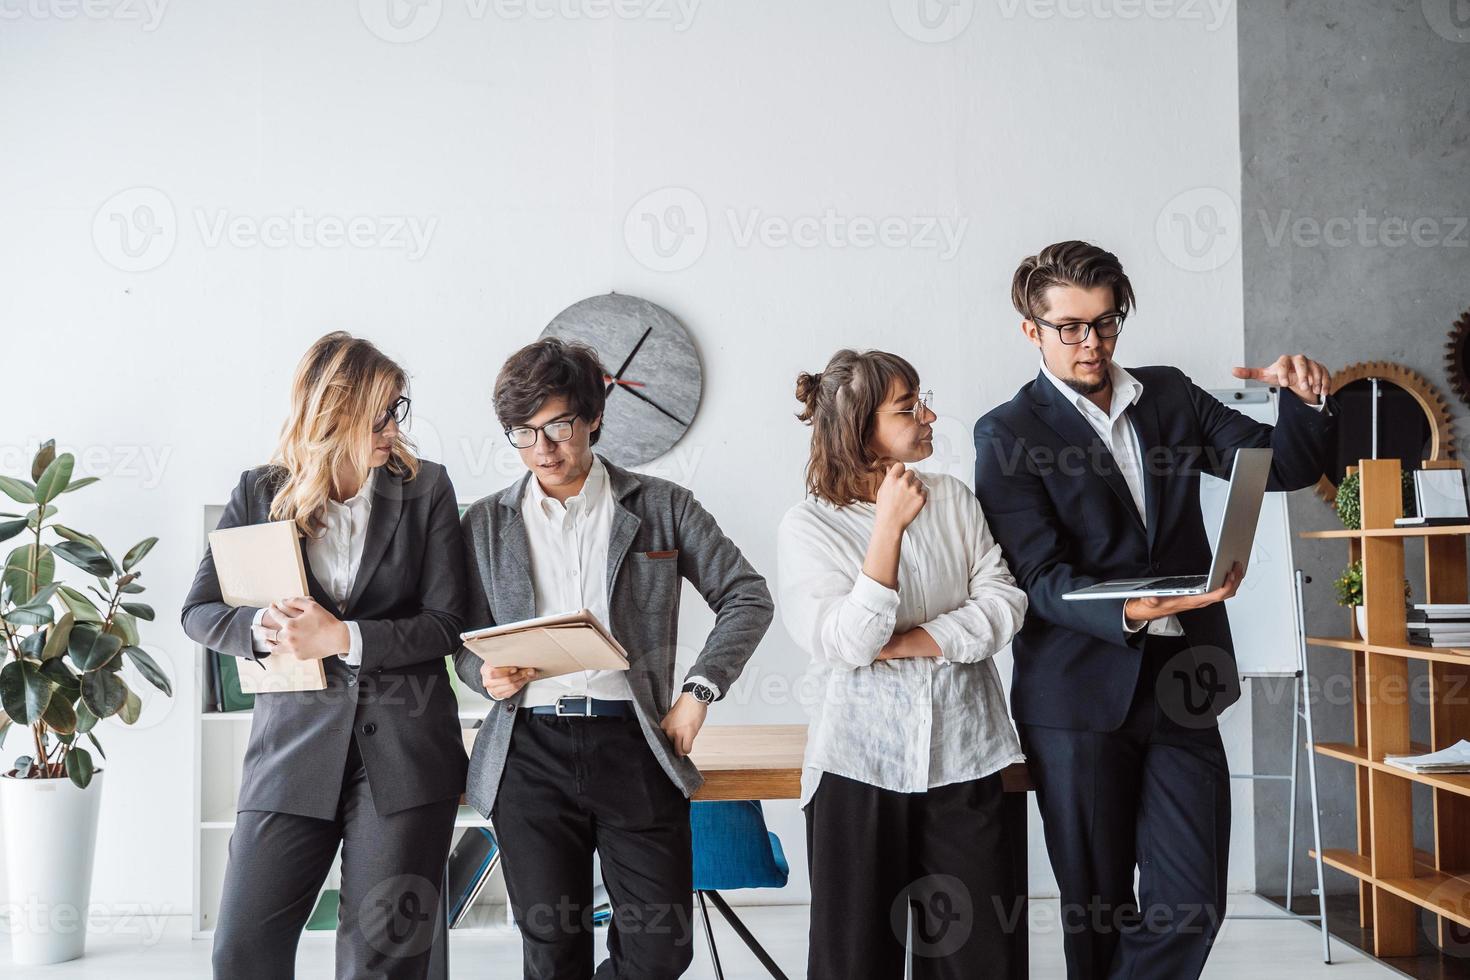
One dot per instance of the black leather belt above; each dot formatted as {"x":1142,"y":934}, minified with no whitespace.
{"x":577,"y":706}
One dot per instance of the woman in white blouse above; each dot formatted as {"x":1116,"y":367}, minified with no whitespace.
{"x":891,"y":581}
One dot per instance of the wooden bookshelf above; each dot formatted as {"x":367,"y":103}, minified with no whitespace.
{"x":1396,"y":880}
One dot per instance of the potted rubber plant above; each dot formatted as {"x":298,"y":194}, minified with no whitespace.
{"x":60,"y":675}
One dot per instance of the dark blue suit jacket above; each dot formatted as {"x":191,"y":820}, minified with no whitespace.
{"x":1061,"y":511}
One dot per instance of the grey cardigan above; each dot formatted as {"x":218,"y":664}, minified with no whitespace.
{"x":660,"y":534}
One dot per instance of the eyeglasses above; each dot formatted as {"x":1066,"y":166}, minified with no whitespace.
{"x":1108,"y":326}
{"x":397,"y":411}
{"x":524,"y":436}
{"x":924,"y":400}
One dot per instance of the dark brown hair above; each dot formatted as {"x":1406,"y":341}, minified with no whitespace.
{"x":549,"y":368}
{"x":1068,"y":264}
{"x":840,"y":405}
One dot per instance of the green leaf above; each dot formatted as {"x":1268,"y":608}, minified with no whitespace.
{"x":131,"y":709}
{"x":85,"y":481}
{"x":149,"y":668}
{"x":79,"y":766}
{"x":80,"y":606}
{"x":137,"y":552}
{"x":17,"y":571}
{"x":18,"y":490}
{"x":9,"y":529}
{"x":132,"y":588}
{"x":31,"y":614}
{"x":86,"y":720}
{"x":24,"y":691}
{"x":36,"y":516}
{"x":96,"y":744}
{"x":85,"y":557}
{"x":55,"y":479}
{"x":140,"y":609}
{"x":58,"y":673}
{"x":125,"y":628}
{"x":45,"y":453}
{"x":56,"y":637}
{"x":60,"y":717}
{"x":104,"y":693}
{"x":90,"y":648}
{"x":32,"y":645}
{"x":4,"y":727}
{"x":76,"y":536}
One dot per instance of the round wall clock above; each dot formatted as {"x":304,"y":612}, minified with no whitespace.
{"x":653,"y":377}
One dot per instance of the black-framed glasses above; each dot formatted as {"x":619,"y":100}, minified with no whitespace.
{"x":925,"y":399}
{"x":1108,"y":326}
{"x":398,"y":411}
{"x":524,"y":436}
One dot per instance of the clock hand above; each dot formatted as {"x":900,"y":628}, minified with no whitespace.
{"x":610,"y":380}
{"x":628,"y":360}
{"x":642,"y":397}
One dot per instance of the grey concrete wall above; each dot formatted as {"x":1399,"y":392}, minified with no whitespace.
{"x":1357,"y":111}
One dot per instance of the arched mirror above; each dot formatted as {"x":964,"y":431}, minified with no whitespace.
{"x":1413,"y":423}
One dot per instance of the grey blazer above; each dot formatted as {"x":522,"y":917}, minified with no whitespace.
{"x":660,"y":535}
{"x":399,"y":704}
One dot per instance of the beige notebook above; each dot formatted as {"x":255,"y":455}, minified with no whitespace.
{"x":554,"y":645}
{"x":258,"y":564}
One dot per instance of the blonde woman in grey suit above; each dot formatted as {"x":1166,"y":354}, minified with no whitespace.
{"x":376,"y":762}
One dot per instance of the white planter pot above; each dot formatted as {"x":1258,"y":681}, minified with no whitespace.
{"x":50,"y":831}
{"x":1361,"y":614}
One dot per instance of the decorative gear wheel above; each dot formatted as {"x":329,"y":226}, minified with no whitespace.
{"x":1436,"y":410}
{"x":1455,"y":357}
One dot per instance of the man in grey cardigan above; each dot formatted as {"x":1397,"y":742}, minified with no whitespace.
{"x":596,"y":761}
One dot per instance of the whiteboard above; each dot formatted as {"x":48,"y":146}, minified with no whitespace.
{"x":1263,"y":613}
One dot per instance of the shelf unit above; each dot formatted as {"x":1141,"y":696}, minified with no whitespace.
{"x":220,"y":738}
{"x":1395,"y":880}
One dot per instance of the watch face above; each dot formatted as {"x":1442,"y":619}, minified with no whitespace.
{"x":653,"y":374}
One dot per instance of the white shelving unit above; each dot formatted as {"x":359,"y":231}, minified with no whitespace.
{"x":219,"y":753}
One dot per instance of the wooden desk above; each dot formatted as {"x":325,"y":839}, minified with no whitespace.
{"x":763,"y":762}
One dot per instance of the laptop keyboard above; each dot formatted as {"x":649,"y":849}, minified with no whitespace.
{"x":1178,"y":582}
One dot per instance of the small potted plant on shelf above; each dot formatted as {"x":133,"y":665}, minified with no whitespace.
{"x":1349,"y":589}
{"x":59,"y":677}
{"x":1350,"y":499}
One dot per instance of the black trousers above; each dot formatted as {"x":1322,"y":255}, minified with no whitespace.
{"x":872,"y":852}
{"x":392,"y":867}
{"x":572,"y":787}
{"x":1154,"y":795}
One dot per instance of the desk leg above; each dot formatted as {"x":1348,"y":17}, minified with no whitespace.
{"x":1013,"y":817}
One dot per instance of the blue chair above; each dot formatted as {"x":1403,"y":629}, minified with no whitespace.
{"x":733,"y":849}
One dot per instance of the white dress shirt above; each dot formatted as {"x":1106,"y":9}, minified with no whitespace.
{"x":909,"y":724}
{"x":335,"y":554}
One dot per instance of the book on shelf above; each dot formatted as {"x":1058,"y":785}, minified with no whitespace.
{"x":325,"y":916}
{"x":1456,"y":758}
{"x":1436,"y":611}
{"x":228,"y":694}
{"x":471,"y":864}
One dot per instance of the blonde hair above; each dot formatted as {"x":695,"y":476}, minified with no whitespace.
{"x":343,"y":386}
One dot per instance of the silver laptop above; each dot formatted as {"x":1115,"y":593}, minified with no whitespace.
{"x":1237,"y":533}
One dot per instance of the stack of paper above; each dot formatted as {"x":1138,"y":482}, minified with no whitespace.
{"x":1456,"y":758}
{"x":1440,"y":624}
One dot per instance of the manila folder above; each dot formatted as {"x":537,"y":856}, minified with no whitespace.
{"x":258,"y":564}
{"x":554,"y":645}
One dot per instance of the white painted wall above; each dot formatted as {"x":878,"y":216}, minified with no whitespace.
{"x":519,"y":142}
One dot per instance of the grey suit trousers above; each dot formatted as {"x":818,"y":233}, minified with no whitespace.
{"x":392,"y":867}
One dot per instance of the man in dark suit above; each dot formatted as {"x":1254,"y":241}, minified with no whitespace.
{"x":1091,"y":472}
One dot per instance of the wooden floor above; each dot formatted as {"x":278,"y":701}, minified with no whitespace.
{"x":1247,"y":950}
